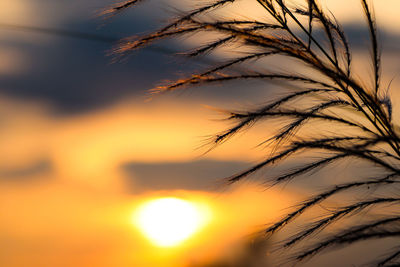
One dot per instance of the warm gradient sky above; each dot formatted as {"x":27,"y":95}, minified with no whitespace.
{"x":82,"y":147}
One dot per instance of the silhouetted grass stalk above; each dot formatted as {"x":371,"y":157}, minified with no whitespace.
{"x":368,"y":136}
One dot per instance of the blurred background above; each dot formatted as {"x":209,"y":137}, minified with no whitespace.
{"x":82,"y":147}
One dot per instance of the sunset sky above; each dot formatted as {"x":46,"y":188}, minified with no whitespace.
{"x":83,"y":148}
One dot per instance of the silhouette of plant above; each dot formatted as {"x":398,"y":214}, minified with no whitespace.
{"x":329,"y":112}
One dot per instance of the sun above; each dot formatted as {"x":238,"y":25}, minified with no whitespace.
{"x":169,"y":221}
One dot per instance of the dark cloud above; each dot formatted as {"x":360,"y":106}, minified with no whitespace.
{"x":27,"y":172}
{"x":74,"y":74}
{"x":358,"y":37}
{"x":69,"y":68}
{"x":208,"y":175}
{"x":196,"y":175}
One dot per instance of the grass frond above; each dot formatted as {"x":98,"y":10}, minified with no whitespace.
{"x":351,"y":235}
{"x":337,"y":215}
{"x":316,"y":199}
{"x":329,"y":113}
{"x":389,"y":259}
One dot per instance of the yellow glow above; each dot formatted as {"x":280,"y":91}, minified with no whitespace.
{"x":169,"y":221}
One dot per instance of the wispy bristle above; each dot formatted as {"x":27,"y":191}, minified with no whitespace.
{"x":119,"y":7}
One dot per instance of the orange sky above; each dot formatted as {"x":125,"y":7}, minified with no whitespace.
{"x":76,"y":209}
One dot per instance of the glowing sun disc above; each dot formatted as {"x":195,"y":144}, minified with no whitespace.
{"x":168,"y":221}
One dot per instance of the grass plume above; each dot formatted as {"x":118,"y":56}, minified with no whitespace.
{"x":338,"y":101}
